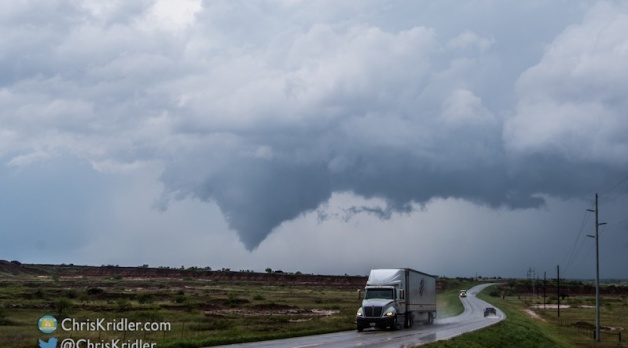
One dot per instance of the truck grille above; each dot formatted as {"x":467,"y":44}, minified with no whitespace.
{"x":373,"y":312}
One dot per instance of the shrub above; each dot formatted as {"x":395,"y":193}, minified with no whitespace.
{"x":71,"y":294}
{"x":232,"y":299}
{"x":494,"y":293}
{"x":3,"y":317}
{"x":145,"y":298}
{"x":63,"y":307}
{"x":39,"y":294}
{"x":180,"y":299}
{"x":95,"y":291}
{"x":123,"y":305}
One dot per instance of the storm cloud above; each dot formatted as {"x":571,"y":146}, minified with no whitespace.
{"x":268,"y":109}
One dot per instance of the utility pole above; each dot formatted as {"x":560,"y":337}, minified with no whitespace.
{"x":558,"y":287}
{"x":597,"y":268}
{"x":537,"y":281}
{"x":544,"y":284}
{"x":531,"y":279}
{"x":534,"y":294}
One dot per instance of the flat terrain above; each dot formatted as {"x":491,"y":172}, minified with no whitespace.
{"x":471,"y":319}
{"x":200,"y":307}
{"x":532,"y":324}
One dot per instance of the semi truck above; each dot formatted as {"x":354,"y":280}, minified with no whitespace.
{"x":397,"y":297}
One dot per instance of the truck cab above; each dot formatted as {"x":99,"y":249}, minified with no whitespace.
{"x":379,"y":308}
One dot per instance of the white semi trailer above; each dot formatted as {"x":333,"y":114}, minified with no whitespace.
{"x":396,"y":297}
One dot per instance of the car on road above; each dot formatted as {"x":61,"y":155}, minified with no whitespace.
{"x":463,"y":293}
{"x":490,"y":311}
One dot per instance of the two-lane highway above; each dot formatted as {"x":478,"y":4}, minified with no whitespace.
{"x":470,"y":320}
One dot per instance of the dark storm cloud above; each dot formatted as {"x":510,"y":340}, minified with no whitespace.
{"x":406,"y":139}
{"x":257,"y":195}
{"x":269,"y":117}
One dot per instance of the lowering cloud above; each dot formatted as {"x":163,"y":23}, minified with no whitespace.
{"x":267,"y":110}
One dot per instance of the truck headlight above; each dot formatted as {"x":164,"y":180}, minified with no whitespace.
{"x":359,"y":313}
{"x":390,"y":313}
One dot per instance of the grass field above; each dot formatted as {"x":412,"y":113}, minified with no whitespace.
{"x":198,"y":312}
{"x":542,"y":328}
{"x":448,"y":301}
{"x":577,"y":322}
{"x":203,"y":312}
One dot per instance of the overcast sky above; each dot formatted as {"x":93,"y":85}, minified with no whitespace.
{"x":456,"y":138}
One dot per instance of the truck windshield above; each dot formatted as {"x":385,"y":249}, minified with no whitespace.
{"x":379,"y":293}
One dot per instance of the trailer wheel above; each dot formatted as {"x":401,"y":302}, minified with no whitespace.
{"x":430,"y":319}
{"x":409,"y":320}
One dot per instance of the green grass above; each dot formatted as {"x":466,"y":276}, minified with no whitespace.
{"x":517,"y":331}
{"x":613,"y":315}
{"x":448,"y":300}
{"x":521,"y":330}
{"x":200,"y":312}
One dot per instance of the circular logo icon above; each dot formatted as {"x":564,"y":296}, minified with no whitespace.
{"x":47,"y":324}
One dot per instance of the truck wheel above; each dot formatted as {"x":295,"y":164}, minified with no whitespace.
{"x":394,"y":324}
{"x":430,"y":319}
{"x":360,"y":329}
{"x":409,"y":320}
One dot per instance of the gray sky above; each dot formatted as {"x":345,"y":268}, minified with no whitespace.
{"x":457,"y":138}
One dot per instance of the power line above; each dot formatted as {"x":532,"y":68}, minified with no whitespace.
{"x":576,"y":254}
{"x":610,"y":199}
{"x":612,"y":231}
{"x":586,"y":257}
{"x":612,"y":188}
{"x":613,"y":222}
{"x":575,"y":251}
{"x":572,"y":254}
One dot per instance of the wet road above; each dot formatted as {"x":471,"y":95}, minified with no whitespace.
{"x":470,"y":320}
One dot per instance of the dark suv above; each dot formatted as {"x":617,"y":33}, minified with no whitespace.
{"x":490,"y":311}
